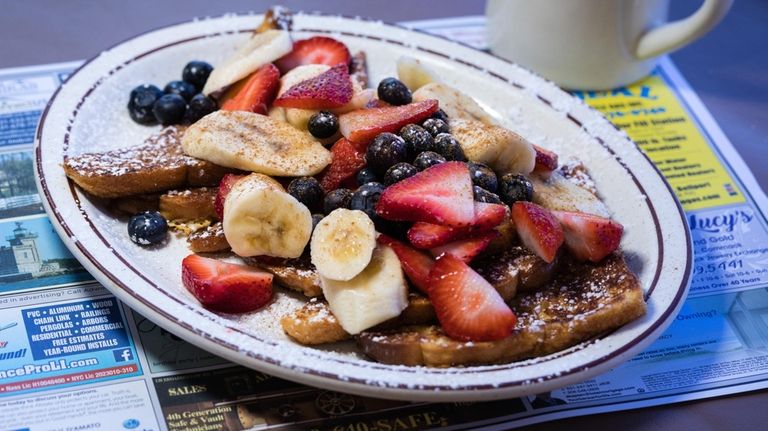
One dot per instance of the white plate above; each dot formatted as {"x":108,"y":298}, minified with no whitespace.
{"x":88,"y":113}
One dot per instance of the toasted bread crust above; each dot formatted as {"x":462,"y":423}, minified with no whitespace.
{"x":189,"y":204}
{"x":208,"y":240}
{"x":298,"y":274}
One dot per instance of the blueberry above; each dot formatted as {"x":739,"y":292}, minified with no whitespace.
{"x":366,"y":197}
{"x":339,"y":198}
{"x":386,"y":150}
{"x":483,"y":176}
{"x":427,"y":159}
{"x":199,"y":107}
{"x":394,"y":92}
{"x":436,"y":126}
{"x":182,"y":88}
{"x":366,"y":175}
{"x":141,"y":102}
{"x":170,"y":109}
{"x":399,"y":172}
{"x":147,"y":228}
{"x":515,"y":187}
{"x":440,"y":115}
{"x":323,"y":125}
{"x":196,"y":73}
{"x":447,"y":146}
{"x":483,"y":195}
{"x":306,"y":190}
{"x":316,"y":218}
{"x":417,"y":140}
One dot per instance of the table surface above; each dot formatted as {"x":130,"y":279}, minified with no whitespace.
{"x":727,"y":69}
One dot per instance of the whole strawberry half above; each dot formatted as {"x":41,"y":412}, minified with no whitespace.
{"x":330,"y":89}
{"x":546,"y":161}
{"x":255,"y":93}
{"x":365,"y":124}
{"x":227,"y":182}
{"x":226,"y":287}
{"x":347,"y":159}
{"x":441,"y":194}
{"x":429,"y":235}
{"x":415,"y":263}
{"x":538,"y":229}
{"x":315,"y":50}
{"x":468,"y":248}
{"x":589,"y":237}
{"x":467,"y":306}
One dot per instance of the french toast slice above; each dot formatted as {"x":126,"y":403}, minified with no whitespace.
{"x":298,"y":274}
{"x":189,"y":204}
{"x":516,"y":270}
{"x":583,"y":301}
{"x":157,"y":165}
{"x":210,"y":239}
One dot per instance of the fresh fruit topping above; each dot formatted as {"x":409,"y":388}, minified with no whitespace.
{"x":502,"y":150}
{"x":538,"y":229}
{"x":483,"y":176}
{"x":365,"y":124}
{"x":440,"y":115}
{"x":399,"y":172}
{"x":514,"y":188}
{"x":342,"y":244}
{"x":394,"y":92}
{"x":330,"y":89}
{"x":335,"y":199}
{"x":436,"y":126}
{"x":467,"y":306}
{"x":323,"y":125}
{"x":366,"y":175}
{"x":417,"y":140}
{"x":589,"y":237}
{"x":306,"y":190}
{"x":427,"y":159}
{"x":386,"y":150}
{"x":377,"y":294}
{"x":315,"y":50}
{"x":546,"y":161}
{"x":365,"y":199}
{"x":141,"y":102}
{"x":429,"y":235}
{"x":316,"y":219}
{"x":196,"y":73}
{"x":347,"y":158}
{"x":414,"y":73}
{"x":466,"y":249}
{"x":227,"y":182}
{"x":147,"y":228}
{"x":226,"y":287}
{"x":415,"y":263}
{"x":447,"y":146}
{"x":170,"y":109}
{"x":262,"y":219}
{"x":441,"y":194}
{"x":256,"y":93}
{"x":376,"y":103}
{"x":199,"y":106}
{"x":182,"y":88}
{"x":483,"y":195}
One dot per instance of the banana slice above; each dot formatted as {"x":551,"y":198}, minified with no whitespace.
{"x":261,"y":48}
{"x":260,"y":218}
{"x":455,"y":103}
{"x":503,"y":150}
{"x":342,"y":244}
{"x":253,"y":142}
{"x":414,"y":74}
{"x":377,"y":294}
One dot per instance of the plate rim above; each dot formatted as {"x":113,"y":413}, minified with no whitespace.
{"x":109,"y":280}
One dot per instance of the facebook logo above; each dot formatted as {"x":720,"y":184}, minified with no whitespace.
{"x":122,"y":355}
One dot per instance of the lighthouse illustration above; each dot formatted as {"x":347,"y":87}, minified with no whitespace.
{"x":20,"y":259}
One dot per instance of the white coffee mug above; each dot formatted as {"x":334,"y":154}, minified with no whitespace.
{"x":593,"y":44}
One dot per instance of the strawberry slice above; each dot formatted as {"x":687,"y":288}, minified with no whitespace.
{"x":546,"y":161}
{"x":416,"y":264}
{"x":429,"y":235}
{"x":315,"y":50}
{"x":257,"y":92}
{"x":226,"y":287}
{"x":539,"y":230}
{"x":347,"y":159}
{"x":589,"y":237}
{"x":466,"y":249}
{"x":441,"y":194}
{"x":365,"y":124}
{"x":467,"y":306}
{"x":330,"y":89}
{"x":227,"y":182}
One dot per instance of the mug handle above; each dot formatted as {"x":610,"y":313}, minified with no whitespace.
{"x":674,"y":35}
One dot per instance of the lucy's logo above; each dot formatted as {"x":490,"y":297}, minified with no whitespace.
{"x":720,"y":223}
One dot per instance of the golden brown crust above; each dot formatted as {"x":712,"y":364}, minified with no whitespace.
{"x":298,"y":274}
{"x":208,"y":240}
{"x":189,"y":204}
